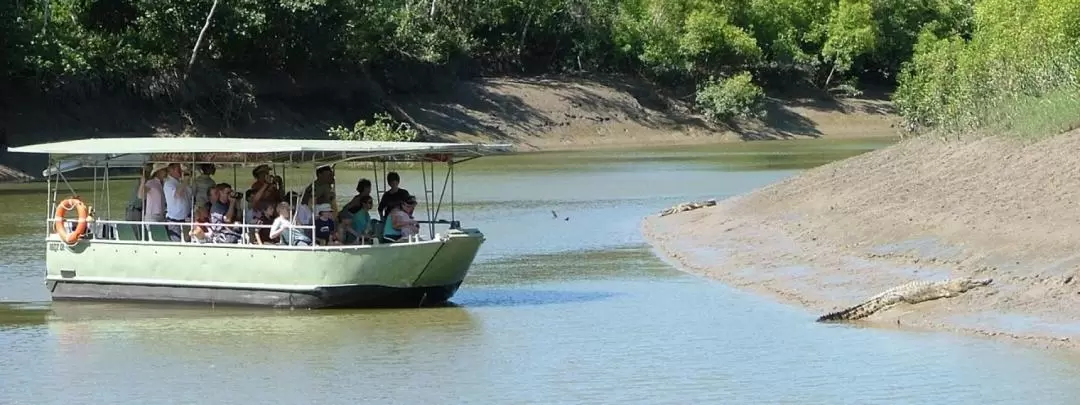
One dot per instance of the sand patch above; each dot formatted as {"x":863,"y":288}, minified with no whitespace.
{"x":922,"y":209}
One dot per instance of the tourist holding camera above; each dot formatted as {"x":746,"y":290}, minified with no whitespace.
{"x":224,"y":212}
{"x":268,"y":187}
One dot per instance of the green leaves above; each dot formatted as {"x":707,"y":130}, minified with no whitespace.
{"x":733,"y":97}
{"x":678,"y":42}
{"x":382,"y":128}
{"x":852,"y":32}
{"x":1021,"y":51}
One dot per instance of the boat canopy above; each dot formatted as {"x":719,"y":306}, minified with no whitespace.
{"x":135,"y":152}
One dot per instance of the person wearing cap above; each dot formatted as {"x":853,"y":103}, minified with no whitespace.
{"x":400,"y":223}
{"x":325,"y":229}
{"x":266,"y":187}
{"x":152,"y":193}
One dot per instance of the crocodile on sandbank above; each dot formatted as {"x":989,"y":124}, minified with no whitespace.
{"x":910,"y":293}
{"x":687,"y":206}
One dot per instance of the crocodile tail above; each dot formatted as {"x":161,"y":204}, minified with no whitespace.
{"x":836,"y":316}
{"x":851,"y":313}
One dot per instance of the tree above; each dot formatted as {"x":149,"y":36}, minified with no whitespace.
{"x":851,"y":33}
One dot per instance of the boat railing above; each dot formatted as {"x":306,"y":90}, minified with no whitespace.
{"x":110,"y":230}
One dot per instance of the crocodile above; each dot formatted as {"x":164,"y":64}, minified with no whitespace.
{"x":687,"y":206}
{"x":910,"y":293}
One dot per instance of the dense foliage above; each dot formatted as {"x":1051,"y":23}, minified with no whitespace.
{"x":1017,"y":72}
{"x":958,"y":62}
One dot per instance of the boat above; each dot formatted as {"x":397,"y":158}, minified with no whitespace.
{"x":108,"y":259}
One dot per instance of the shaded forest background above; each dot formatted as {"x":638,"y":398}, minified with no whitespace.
{"x":955,"y":64}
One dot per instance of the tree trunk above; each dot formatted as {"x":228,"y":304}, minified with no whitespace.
{"x":829,"y":78}
{"x":432,"y":14}
{"x":202,"y":34}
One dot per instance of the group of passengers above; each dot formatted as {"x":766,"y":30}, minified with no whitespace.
{"x":210,"y":212}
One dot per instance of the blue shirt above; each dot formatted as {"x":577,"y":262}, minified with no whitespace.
{"x":323,"y":228}
{"x":360,"y":222}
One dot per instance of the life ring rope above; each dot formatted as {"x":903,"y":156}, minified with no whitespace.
{"x":73,"y":203}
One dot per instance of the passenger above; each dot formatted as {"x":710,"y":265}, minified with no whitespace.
{"x":363,"y":189}
{"x":153,"y":194}
{"x":200,"y":233}
{"x":356,"y":222}
{"x":267,"y":187}
{"x":224,"y":212}
{"x":203,"y":184}
{"x":264,"y":214}
{"x":214,"y":196}
{"x":303,"y":211}
{"x":399,"y":222}
{"x":177,"y":201}
{"x":284,"y":229}
{"x":323,"y":187}
{"x":393,"y":196}
{"x":325,"y":228}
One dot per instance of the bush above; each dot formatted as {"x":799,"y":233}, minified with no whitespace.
{"x":1017,"y":74}
{"x":733,"y":97}
{"x":383,"y":128}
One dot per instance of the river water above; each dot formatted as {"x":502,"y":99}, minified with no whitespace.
{"x":555,"y":310}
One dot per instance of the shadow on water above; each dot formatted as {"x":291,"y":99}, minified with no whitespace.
{"x":192,"y":330}
{"x":517,"y":297}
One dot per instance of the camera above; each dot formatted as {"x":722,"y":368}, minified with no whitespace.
{"x":236,"y":195}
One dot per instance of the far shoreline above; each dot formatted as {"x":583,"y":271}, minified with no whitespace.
{"x":536,"y":114}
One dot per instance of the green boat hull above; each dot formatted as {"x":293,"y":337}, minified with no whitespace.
{"x":400,"y":274}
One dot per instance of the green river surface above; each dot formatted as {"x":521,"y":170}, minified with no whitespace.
{"x":554,"y":311}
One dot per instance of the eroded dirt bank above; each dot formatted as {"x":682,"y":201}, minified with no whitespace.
{"x":922,"y":209}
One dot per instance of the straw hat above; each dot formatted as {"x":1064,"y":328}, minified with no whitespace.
{"x":158,"y":167}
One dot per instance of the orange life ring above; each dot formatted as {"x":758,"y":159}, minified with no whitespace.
{"x":62,"y":209}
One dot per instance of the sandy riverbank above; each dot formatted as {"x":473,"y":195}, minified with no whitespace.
{"x":535,"y":114}
{"x":922,"y":209}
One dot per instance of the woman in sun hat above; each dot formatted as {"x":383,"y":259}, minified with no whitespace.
{"x":152,"y":193}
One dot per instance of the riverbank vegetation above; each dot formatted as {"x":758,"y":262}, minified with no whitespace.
{"x":1015,"y":73}
{"x":211,"y":57}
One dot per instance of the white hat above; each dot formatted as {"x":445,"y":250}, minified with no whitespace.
{"x":158,"y":167}
{"x":323,"y":208}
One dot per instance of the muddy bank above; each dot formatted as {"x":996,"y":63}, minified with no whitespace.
{"x":549,"y":113}
{"x":922,"y":209}
{"x":536,"y":113}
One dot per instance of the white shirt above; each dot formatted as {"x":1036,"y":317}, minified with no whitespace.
{"x":176,"y":208}
{"x":303,"y":215}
